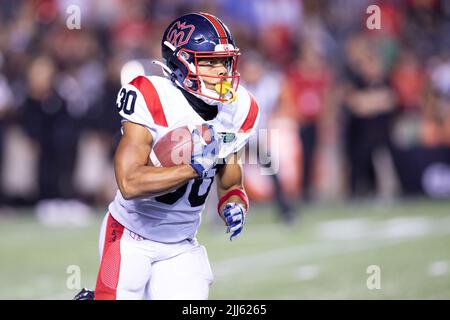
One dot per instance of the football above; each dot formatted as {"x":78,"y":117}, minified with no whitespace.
{"x":175,"y":147}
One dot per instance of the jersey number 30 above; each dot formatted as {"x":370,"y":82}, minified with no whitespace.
{"x":125,"y":103}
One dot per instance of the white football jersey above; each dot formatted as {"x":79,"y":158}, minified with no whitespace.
{"x":157,"y":104}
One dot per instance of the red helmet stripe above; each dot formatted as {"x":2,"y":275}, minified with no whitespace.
{"x":151,"y":98}
{"x":218,"y":26}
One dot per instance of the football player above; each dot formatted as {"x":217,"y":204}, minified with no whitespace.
{"x":148,"y":243}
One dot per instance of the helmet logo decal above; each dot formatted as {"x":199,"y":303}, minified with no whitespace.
{"x":180,"y":33}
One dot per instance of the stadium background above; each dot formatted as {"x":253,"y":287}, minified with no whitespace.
{"x":364,"y":150}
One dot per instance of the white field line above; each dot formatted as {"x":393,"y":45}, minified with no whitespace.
{"x":323,"y":249}
{"x":317,"y":250}
{"x":301,"y":253}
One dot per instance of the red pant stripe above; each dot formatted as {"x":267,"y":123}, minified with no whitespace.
{"x":108,"y":275}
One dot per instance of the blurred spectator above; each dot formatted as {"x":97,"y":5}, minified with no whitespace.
{"x":439,"y":108}
{"x":399,"y":72}
{"x":95,"y":179}
{"x":306,"y":98}
{"x":409,"y":81}
{"x":369,"y":104}
{"x":6,"y":100}
{"x":47,"y":121}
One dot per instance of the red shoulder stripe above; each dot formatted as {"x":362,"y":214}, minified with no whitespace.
{"x":251,"y":116}
{"x":151,"y":98}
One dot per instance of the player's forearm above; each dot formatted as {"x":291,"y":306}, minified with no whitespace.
{"x":147,"y":180}
{"x":230,"y":185}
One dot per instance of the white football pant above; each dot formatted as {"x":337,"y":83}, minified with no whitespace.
{"x":136,"y":268}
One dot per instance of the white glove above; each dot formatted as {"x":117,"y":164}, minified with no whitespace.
{"x":234,"y":215}
{"x":204,"y":155}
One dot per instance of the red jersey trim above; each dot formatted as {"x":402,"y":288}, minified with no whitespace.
{"x":154,"y":106}
{"x":249,"y":122}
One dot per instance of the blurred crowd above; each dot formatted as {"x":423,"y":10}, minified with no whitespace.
{"x":360,"y":111}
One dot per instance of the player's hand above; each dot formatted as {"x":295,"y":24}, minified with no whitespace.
{"x":204,"y":155}
{"x":234,"y":214}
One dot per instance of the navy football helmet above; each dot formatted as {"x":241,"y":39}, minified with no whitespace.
{"x":197,"y":36}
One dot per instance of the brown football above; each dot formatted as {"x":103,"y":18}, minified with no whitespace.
{"x":175,"y":147}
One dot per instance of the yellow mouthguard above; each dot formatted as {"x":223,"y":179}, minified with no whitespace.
{"x":225,"y":88}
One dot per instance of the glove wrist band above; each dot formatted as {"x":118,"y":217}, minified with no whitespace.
{"x":235,"y":192}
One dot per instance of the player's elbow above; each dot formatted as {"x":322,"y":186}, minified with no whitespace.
{"x":126,"y":196}
{"x":126,"y":189}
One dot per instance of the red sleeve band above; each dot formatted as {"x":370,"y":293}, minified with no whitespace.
{"x":235,"y":192}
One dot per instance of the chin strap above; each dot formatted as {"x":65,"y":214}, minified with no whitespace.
{"x":209,"y":92}
{"x":223,"y":89}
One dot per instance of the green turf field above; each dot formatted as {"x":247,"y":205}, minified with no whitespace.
{"x":324,"y":255}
